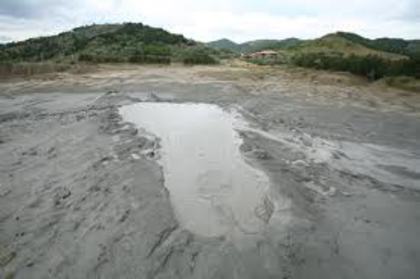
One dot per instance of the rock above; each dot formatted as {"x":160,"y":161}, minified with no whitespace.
{"x":346,"y":194}
{"x":306,"y":140}
{"x":265,"y":210}
{"x":6,"y":256}
{"x":300,"y":163}
{"x":155,"y":98}
{"x":151,"y":154}
{"x":61,"y":194}
{"x":135,"y":156}
{"x":5,"y":190}
{"x":246,"y":147}
{"x":331,"y":192}
{"x":125,"y":216}
{"x":262,"y":154}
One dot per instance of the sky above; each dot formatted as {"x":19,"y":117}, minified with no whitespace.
{"x":207,"y":20}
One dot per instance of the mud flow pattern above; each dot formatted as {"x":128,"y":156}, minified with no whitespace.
{"x":213,"y":190}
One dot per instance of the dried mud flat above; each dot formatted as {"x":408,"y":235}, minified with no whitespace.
{"x":82,"y":194}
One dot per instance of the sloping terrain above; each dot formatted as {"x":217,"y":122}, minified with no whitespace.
{"x":111,"y":42}
{"x":225,"y":44}
{"x":337,"y":44}
{"x":253,"y":46}
{"x":373,"y":59}
{"x":400,"y":46}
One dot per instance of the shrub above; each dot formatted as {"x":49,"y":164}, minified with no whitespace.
{"x":150,"y":59}
{"x":371,"y":66}
{"x":29,"y":69}
{"x":101,"y":58}
{"x":198,"y":56}
{"x":404,"y":82}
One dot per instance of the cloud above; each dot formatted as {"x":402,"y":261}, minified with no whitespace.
{"x":206,"y":20}
{"x":4,"y":39}
{"x":31,"y":8}
{"x":412,"y":11}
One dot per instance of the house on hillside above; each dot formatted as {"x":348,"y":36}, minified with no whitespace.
{"x":261,"y":54}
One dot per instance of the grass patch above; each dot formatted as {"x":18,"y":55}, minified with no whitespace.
{"x":404,"y":82}
{"x":198,"y":56}
{"x":30,"y":69}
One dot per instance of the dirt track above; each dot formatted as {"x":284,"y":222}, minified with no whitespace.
{"x":76,"y":203}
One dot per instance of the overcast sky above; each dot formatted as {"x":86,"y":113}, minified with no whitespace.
{"x":206,"y":20}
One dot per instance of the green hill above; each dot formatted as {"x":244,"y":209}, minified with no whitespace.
{"x":400,"y":46}
{"x":224,"y":44}
{"x":138,"y":43}
{"x":336,"y":44}
{"x":343,"y":52}
{"x":129,"y":42}
{"x":357,"y":55}
{"x":339,"y":42}
{"x":253,"y":46}
{"x":259,"y":45}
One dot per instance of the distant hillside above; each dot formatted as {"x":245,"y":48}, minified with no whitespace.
{"x":258,"y":45}
{"x":129,"y":42}
{"x":340,"y":42}
{"x":253,"y":46}
{"x":224,"y":44}
{"x":400,"y":46}
{"x":340,"y":51}
{"x":337,"y":44}
{"x":373,"y":59}
{"x":138,"y":43}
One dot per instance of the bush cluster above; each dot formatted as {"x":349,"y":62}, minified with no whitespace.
{"x":371,"y":66}
{"x":197,"y":56}
{"x":150,"y":59}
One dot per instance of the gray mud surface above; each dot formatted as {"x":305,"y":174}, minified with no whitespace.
{"x":214,"y":192}
{"x":82,"y":192}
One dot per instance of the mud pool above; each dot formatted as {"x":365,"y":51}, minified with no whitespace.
{"x":214,"y":191}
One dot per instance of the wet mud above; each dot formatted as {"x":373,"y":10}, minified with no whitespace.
{"x":328,"y":183}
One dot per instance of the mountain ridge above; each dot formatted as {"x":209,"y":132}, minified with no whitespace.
{"x":252,"y":46}
{"x":389,"y":45}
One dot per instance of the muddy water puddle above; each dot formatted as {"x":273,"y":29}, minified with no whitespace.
{"x":214,"y":191}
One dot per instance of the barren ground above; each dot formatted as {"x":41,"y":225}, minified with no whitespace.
{"x":82,"y":195}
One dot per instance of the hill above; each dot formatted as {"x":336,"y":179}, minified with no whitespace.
{"x":400,"y":46}
{"x":373,"y":59}
{"x":337,"y":44}
{"x":129,"y":42}
{"x":253,"y":46}
{"x":224,"y":44}
{"x":139,"y":43}
{"x":342,"y":52}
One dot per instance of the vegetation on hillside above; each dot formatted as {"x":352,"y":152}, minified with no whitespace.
{"x":340,"y":41}
{"x":111,"y":43}
{"x":334,"y":44}
{"x":371,"y":66}
{"x":405,"y":47}
{"x":194,"y":56}
{"x":108,"y":42}
{"x":138,"y":43}
{"x":253,"y":46}
{"x":404,"y":82}
{"x":373,"y":59}
{"x":225,"y":44}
